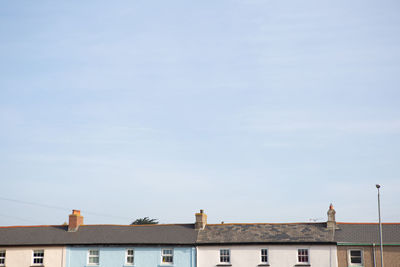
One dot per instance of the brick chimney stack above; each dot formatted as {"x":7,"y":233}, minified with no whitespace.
{"x":75,"y":220}
{"x":201,"y":220}
{"x":331,"y":223}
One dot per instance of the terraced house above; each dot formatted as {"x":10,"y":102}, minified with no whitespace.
{"x":78,"y":245}
{"x":265,"y":244}
{"x":359,"y":245}
{"x":327,"y":244}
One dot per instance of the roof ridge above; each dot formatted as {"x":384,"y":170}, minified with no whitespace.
{"x":214,"y":224}
{"x":26,"y":226}
{"x":137,"y":225}
{"x":367,"y":223}
{"x":62,"y":225}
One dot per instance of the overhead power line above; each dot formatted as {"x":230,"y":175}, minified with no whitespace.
{"x":33,"y":203}
{"x":62,"y":208}
{"x":19,"y":218}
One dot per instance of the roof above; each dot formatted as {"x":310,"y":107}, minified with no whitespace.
{"x":176,"y":234}
{"x":213,"y":234}
{"x":265,"y":233}
{"x":367,"y":233}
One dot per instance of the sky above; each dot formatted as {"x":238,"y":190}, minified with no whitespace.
{"x":253,"y":110}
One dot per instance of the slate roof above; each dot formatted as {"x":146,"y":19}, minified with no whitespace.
{"x":173,"y":234}
{"x":265,"y":233}
{"x":367,"y":233}
{"x":213,"y":234}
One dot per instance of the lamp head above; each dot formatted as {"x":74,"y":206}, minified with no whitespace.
{"x":378,"y":186}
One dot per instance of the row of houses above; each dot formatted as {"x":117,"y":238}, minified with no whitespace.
{"x":319,"y":244}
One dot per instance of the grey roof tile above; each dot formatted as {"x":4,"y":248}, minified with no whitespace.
{"x":265,"y":233}
{"x":367,"y":233}
{"x":184,"y":234}
{"x":179,"y":234}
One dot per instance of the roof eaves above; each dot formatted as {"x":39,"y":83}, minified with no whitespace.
{"x":270,"y":243}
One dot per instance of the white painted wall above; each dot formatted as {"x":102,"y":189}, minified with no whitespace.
{"x":22,"y":256}
{"x":279,"y":255}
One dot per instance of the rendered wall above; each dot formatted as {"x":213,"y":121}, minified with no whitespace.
{"x":144,"y":256}
{"x":22,"y":256}
{"x":279,"y":255}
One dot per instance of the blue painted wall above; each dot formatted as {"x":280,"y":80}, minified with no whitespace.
{"x":144,"y":256}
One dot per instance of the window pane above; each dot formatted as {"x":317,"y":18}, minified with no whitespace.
{"x":356,"y":256}
{"x":167,"y":259}
{"x":94,"y":256}
{"x":94,"y":260}
{"x":264,"y":255}
{"x":224,"y":252}
{"x":167,"y":255}
{"x":2,"y":257}
{"x":38,"y":256}
{"x":224,"y":255}
{"x":302,"y":255}
{"x":38,"y":253}
{"x":224,"y":258}
{"x":93,"y":252}
{"x":130,"y":256}
{"x":38,"y":260}
{"x":355,"y":253}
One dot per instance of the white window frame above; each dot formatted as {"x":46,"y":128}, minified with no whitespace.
{"x":2,"y":258}
{"x":349,"y":256}
{"x":164,"y":254}
{"x":307,"y":255}
{"x":226,"y":257}
{"x":89,"y":256}
{"x":264,"y":255}
{"x":127,"y":256}
{"x":39,"y":258}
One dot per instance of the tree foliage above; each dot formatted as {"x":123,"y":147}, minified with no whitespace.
{"x":144,"y":220}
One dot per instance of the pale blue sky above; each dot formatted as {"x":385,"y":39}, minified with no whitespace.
{"x":253,"y":110}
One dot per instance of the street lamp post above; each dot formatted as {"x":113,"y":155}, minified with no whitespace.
{"x":380,"y":223}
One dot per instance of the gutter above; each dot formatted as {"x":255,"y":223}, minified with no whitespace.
{"x":263,"y":243}
{"x":364,"y":244}
{"x":99,"y":244}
